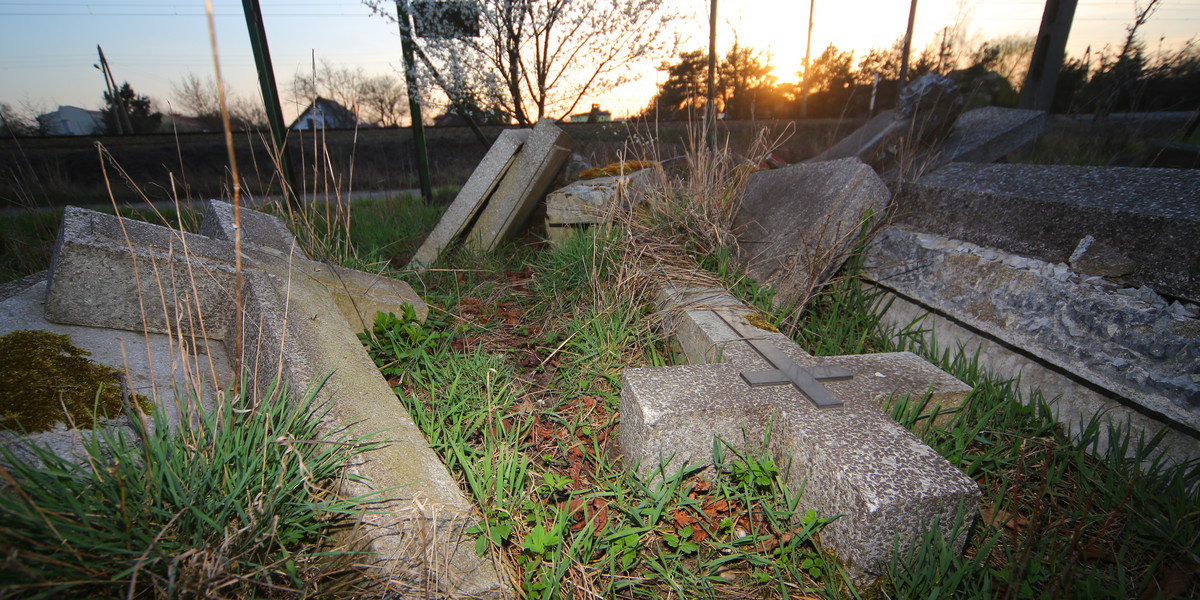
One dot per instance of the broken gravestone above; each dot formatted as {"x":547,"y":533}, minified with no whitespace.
{"x":1137,"y":226}
{"x":796,"y":225}
{"x":982,"y":135}
{"x":925,"y":115}
{"x":152,"y":366}
{"x":525,"y":183}
{"x":472,"y":197}
{"x":299,"y":320}
{"x":852,"y":461}
{"x":587,"y":202}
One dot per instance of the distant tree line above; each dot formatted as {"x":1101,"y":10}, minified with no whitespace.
{"x":990,"y":74}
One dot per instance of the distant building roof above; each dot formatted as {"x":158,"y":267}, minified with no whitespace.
{"x":592,"y":116}
{"x":324,"y":113}
{"x":72,"y":120}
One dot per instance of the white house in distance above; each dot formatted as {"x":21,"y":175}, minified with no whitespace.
{"x":324,"y":113}
{"x":72,"y":120}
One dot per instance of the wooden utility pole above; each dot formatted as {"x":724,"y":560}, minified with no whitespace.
{"x":710,"y":120}
{"x":807,"y":49}
{"x":270,"y":96}
{"x":908,"y":34}
{"x":114,"y":93}
{"x":1048,"y":53}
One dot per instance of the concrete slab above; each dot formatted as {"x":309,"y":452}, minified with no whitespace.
{"x":525,"y":183}
{"x":295,"y":331}
{"x":1092,"y":348}
{"x":154,"y":366}
{"x":990,"y":133}
{"x":1145,"y":217}
{"x":852,"y":461}
{"x":795,"y":224}
{"x":472,"y":197}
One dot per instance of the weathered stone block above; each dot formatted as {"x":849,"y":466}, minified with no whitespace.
{"x":1089,"y":349}
{"x":537,"y":163}
{"x":796,"y":224}
{"x":1148,"y":216}
{"x":587,"y":202}
{"x":472,"y":197}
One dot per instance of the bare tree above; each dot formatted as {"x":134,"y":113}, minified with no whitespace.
{"x":383,"y":100}
{"x":340,"y":84}
{"x":541,"y":58}
{"x":200,"y":98}
{"x":196,"y":97}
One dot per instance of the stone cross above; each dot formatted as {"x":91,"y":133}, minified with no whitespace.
{"x":853,"y":461}
{"x":784,"y":371}
{"x":299,"y":321}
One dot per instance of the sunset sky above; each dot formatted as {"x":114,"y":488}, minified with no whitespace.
{"x":48,"y":47}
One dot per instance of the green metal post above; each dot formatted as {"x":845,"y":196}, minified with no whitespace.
{"x":414,"y":105}
{"x":710,"y":111}
{"x":266,"y":81}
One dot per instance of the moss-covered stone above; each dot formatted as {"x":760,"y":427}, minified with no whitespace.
{"x":41,"y":372}
{"x":761,"y":322}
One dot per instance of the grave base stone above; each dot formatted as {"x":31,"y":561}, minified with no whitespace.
{"x":1146,"y":218}
{"x":1092,"y":349}
{"x":119,"y":273}
{"x":853,"y":460}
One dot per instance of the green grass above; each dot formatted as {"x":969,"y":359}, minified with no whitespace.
{"x":516,"y":381}
{"x":236,"y":504}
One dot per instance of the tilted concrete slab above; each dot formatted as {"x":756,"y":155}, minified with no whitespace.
{"x":795,"y":224}
{"x":862,"y":142}
{"x":990,"y":133}
{"x":525,"y":183}
{"x":853,"y":461}
{"x":1146,"y":218}
{"x":104,"y":267}
{"x":472,"y":197}
{"x":1124,"y":354}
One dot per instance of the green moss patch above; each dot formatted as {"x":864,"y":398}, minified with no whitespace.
{"x":41,"y":372}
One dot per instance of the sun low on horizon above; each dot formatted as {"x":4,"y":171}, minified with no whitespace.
{"x":48,"y":47}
